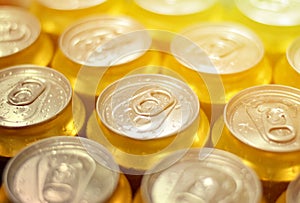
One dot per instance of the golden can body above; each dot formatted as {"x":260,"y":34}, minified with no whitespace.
{"x":218,"y":60}
{"x":287,"y":69}
{"x":260,"y":125}
{"x":200,"y":175}
{"x":36,"y":102}
{"x":143,"y":117}
{"x":56,"y":16}
{"x":276,"y":22}
{"x":103,"y":48}
{"x":22,"y":41}
{"x":175,"y":15}
{"x":65,"y":169}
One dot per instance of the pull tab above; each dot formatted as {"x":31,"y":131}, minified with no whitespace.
{"x":11,"y":32}
{"x":26,"y":92}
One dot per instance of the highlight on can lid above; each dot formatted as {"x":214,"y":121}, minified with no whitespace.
{"x":61,"y":169}
{"x":265,"y":117}
{"x":148,"y":106}
{"x":31,"y":95}
{"x":277,"y":13}
{"x":175,"y":7}
{"x":201,"y":175}
{"x":293,"y":55}
{"x":18,"y":30}
{"x":227,"y":45}
{"x":70,"y":4}
{"x":105,"y":41}
{"x":293,"y":191}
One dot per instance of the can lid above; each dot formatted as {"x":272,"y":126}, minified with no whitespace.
{"x":266,"y":117}
{"x":226,"y":44}
{"x":148,"y":106}
{"x":18,"y":30}
{"x":70,"y":4}
{"x":175,"y":7}
{"x":293,"y":55}
{"x":201,"y":175}
{"x":277,"y":13}
{"x":293,"y":191}
{"x":31,"y":95}
{"x":61,"y":169}
{"x":105,"y":41}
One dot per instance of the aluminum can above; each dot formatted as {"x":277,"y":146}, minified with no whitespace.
{"x":65,"y":169}
{"x":196,"y":176}
{"x":36,"y":102}
{"x":173,"y":15}
{"x":21,"y":39}
{"x":56,"y":15}
{"x":292,"y":193}
{"x":143,"y":117}
{"x":218,"y":60}
{"x":276,"y":22}
{"x":287,"y":69}
{"x":106,"y":47}
{"x":260,"y":125}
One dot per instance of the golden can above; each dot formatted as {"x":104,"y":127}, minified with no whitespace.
{"x":287,"y":69}
{"x":36,"y":102}
{"x":56,"y":15}
{"x":276,"y":22}
{"x":200,"y":175}
{"x":21,"y":39}
{"x":218,"y":60}
{"x":65,"y":169}
{"x":106,"y":47}
{"x":260,"y":125}
{"x":173,"y":15}
{"x":143,"y":117}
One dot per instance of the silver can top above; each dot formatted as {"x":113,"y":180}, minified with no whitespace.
{"x":293,"y":55}
{"x":61,"y":169}
{"x":67,"y":5}
{"x":31,"y":94}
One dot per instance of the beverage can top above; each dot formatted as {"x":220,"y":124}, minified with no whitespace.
{"x":265,"y":117}
{"x":70,"y":4}
{"x":293,"y":191}
{"x":61,"y":169}
{"x":276,"y":13}
{"x":293,"y":55}
{"x":31,"y":95}
{"x":18,"y":30}
{"x":201,"y":175}
{"x":105,"y":41}
{"x":175,"y":7}
{"x":148,"y":106}
{"x":227,"y":45}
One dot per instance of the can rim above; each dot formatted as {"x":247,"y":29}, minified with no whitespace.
{"x":290,"y":52}
{"x":58,"y":7}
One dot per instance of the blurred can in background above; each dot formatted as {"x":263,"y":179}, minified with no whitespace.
{"x":21,"y":38}
{"x":65,"y":169}
{"x":260,"y":125}
{"x":292,"y":193}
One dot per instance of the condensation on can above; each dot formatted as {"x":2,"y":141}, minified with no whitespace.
{"x":65,"y":169}
{"x":260,"y":124}
{"x":143,"y":117}
{"x":21,"y":40}
{"x":36,"y":102}
{"x":196,"y":176}
{"x":103,"y":47}
{"x":287,"y":69}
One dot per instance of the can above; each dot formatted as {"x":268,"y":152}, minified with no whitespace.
{"x":292,"y":192}
{"x":56,"y":16}
{"x":260,"y":125}
{"x":173,"y":15}
{"x":218,"y":60}
{"x":103,"y":47}
{"x":22,"y":41}
{"x":65,"y":169}
{"x":287,"y":69}
{"x":276,"y":22}
{"x":36,"y":102}
{"x":201,"y":175}
{"x":143,"y":117}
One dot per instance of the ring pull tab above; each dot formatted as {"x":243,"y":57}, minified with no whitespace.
{"x":26,"y":92}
